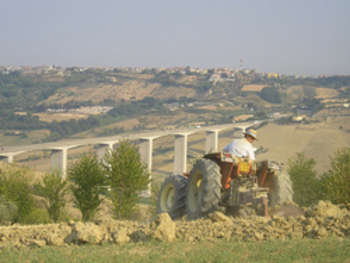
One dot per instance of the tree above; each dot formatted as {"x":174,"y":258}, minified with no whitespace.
{"x":271,"y":94}
{"x":15,"y":187}
{"x":305,"y":184}
{"x":309,"y":92}
{"x":336,"y":182}
{"x":89,"y":183}
{"x":127,"y":176}
{"x":313,"y":104}
{"x":53,"y":189}
{"x":8,"y":211}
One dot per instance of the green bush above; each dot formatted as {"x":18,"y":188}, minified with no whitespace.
{"x":306,"y":186}
{"x":53,"y":189}
{"x":88,"y":184}
{"x":15,"y":187}
{"x":336,"y":182}
{"x":8,"y":211}
{"x":127,"y":176}
{"x":37,"y":216}
{"x":271,"y":94}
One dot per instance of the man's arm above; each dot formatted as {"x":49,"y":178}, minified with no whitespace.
{"x":251,"y":153}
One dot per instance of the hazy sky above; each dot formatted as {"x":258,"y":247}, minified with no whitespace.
{"x":299,"y":36}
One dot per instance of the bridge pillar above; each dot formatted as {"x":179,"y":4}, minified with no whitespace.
{"x":146,"y":153}
{"x":180,"y":158}
{"x":10,"y":159}
{"x":211,"y":141}
{"x":9,"y":156}
{"x":104,"y":147}
{"x":146,"y":149}
{"x":59,"y":160}
{"x":59,"y":157}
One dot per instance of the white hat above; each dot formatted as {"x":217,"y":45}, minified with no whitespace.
{"x":252,"y":133}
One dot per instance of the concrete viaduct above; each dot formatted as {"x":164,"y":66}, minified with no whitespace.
{"x":59,"y":150}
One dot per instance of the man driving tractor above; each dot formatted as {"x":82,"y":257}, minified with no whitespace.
{"x":243,"y":149}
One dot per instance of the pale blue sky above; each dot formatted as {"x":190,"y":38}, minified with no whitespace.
{"x":300,"y":36}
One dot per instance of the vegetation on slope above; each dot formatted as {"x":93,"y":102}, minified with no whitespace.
{"x":151,"y":92}
{"x":334,"y":185}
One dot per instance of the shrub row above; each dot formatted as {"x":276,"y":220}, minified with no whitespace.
{"x":120,"y":176}
{"x":310,"y":187}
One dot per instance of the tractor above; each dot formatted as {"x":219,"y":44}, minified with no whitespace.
{"x":224,"y":182}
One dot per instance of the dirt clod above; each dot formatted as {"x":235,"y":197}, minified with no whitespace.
{"x":121,"y":236}
{"x":164,"y":228}
{"x":218,"y":216}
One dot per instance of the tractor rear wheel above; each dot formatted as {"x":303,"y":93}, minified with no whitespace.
{"x":172,"y":195}
{"x":204,"y":188}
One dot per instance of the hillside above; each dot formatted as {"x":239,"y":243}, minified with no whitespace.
{"x":318,"y":141}
{"x":50,"y":103}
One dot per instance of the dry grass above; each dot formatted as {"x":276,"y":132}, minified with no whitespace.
{"x":21,"y":113}
{"x":243,"y":117}
{"x":208,"y":107}
{"x":172,"y":92}
{"x":318,"y":141}
{"x":322,"y":93}
{"x":127,"y":124}
{"x":128,"y":90}
{"x":50,"y":117}
{"x":97,"y":93}
{"x":38,"y":134}
{"x":187,"y":79}
{"x":254,"y":88}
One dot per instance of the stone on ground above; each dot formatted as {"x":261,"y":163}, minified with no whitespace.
{"x":164,"y":228}
{"x":87,"y":233}
{"x":325,"y":209}
{"x":121,"y":236}
{"x":218,"y":216}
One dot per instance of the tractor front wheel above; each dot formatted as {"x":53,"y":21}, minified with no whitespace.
{"x":172,"y":195}
{"x":204,"y":188}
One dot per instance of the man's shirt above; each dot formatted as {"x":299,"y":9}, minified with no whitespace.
{"x":241,"y":148}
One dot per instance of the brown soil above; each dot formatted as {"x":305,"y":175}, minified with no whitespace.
{"x":320,"y":221}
